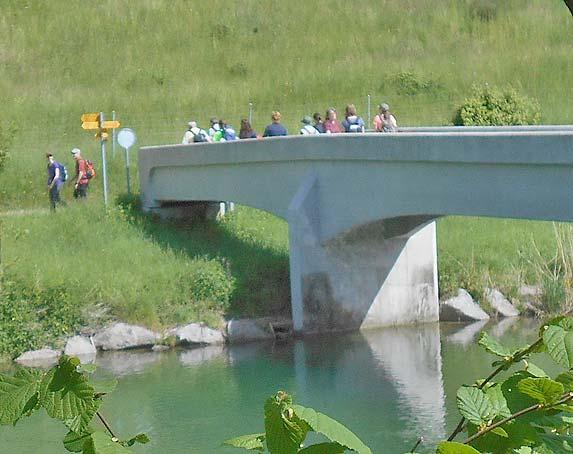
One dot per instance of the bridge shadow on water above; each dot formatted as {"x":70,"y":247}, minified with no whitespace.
{"x":260,"y":271}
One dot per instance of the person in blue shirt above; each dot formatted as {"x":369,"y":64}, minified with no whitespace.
{"x":275,"y":128}
{"x":55,"y":180}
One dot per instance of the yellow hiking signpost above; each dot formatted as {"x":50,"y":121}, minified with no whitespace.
{"x":96,"y":120}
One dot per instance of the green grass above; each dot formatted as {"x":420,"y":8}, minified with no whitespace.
{"x":159,"y":63}
{"x":475,"y":253}
{"x":149,"y":272}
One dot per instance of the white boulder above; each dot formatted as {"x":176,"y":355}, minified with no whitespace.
{"x":247,"y":330}
{"x":44,"y":357}
{"x":81,"y":347}
{"x":500,"y":304}
{"x":121,"y":336}
{"x":461,"y":308}
{"x":196,"y":333}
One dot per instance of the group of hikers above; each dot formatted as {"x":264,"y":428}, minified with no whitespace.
{"x":58,"y":175}
{"x":220,"y":131}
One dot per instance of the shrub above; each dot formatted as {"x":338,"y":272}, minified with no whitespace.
{"x":490,"y":106}
{"x":33,"y":317}
{"x":410,"y":84}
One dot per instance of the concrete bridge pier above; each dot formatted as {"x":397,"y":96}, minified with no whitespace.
{"x":380,"y":274}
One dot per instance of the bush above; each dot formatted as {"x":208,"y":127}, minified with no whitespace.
{"x":490,"y":106}
{"x":409,"y":84}
{"x":33,"y":317}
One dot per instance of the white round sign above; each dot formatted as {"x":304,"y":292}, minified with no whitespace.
{"x":126,"y":138}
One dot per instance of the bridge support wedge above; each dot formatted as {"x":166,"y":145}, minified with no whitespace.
{"x":361,"y":279}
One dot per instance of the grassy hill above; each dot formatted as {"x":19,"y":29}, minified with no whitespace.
{"x":160,"y":63}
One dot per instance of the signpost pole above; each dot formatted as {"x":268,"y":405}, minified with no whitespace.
{"x":113,"y":136}
{"x":251,"y":113}
{"x":126,"y":138}
{"x":369,"y":112}
{"x":103,"y":163}
{"x":127,"y":171}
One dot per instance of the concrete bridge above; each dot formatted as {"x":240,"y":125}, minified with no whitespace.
{"x":360,"y":207}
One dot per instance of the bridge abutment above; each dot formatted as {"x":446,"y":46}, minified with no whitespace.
{"x":362,"y":278}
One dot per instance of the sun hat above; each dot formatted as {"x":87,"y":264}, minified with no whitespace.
{"x":306,"y":120}
{"x":384,"y":107}
{"x":76,"y":151}
{"x":192,"y":124}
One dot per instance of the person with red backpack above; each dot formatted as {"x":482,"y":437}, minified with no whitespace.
{"x":84,"y":173}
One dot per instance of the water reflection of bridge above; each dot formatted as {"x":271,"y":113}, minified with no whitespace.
{"x":360,"y":207}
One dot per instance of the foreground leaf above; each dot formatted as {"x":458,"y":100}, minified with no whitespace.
{"x":498,"y":402}
{"x":66,"y":395}
{"x":331,"y":428}
{"x":474,"y":405}
{"x":543,"y":390}
{"x":559,"y":343}
{"x":493,"y":346}
{"x":18,"y":395}
{"x":253,"y":442}
{"x":75,"y":442}
{"x":284,"y":431}
{"x":142,"y":439}
{"x":451,"y":447}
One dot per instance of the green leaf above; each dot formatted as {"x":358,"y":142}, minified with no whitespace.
{"x":101,"y":443}
{"x":566,"y":378}
{"x":543,"y":390}
{"x":75,"y":442}
{"x":284,"y":431}
{"x":493,"y":346}
{"x":499,"y":431}
{"x":142,"y":439}
{"x":559,"y":343}
{"x":66,"y":395}
{"x":79,"y":422}
{"x":324,"y":448}
{"x":515,"y":399}
{"x":18,"y":395}
{"x":474,"y":405}
{"x":451,"y":447}
{"x":557,"y":443}
{"x":332,"y":429}
{"x":252,"y":442}
{"x":498,"y":402}
{"x":535,"y":371}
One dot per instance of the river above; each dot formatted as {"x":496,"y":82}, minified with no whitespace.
{"x":389,"y":386}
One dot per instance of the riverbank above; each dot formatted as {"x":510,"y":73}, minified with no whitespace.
{"x":83,"y":268}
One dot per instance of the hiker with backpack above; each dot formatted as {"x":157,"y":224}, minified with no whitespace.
{"x":195,"y":134}
{"x":57,"y":175}
{"x":84,"y":173}
{"x":352,"y":122}
{"x":385,"y":121}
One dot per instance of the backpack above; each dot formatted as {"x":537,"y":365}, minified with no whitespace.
{"x":199,"y":137}
{"x":63,"y":172}
{"x":229,"y":134}
{"x":90,"y":171}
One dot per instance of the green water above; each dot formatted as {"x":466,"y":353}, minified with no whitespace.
{"x":389,"y":386}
